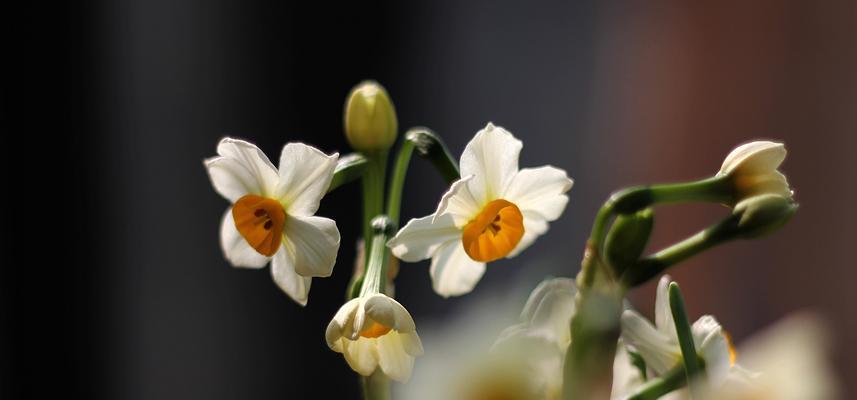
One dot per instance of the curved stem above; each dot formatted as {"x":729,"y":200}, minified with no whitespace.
{"x":705,"y":239}
{"x":348,"y":169}
{"x":397,"y":181}
{"x":655,"y":388}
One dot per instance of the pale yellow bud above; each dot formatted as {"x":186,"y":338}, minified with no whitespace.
{"x":370,"y":118}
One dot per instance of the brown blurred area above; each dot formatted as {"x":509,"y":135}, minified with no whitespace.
{"x":679,"y":84}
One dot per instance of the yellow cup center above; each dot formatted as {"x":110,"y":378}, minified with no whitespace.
{"x":375,"y":330}
{"x":260,"y":221}
{"x":494,"y":232}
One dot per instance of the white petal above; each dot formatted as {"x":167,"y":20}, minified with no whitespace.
{"x":236,"y":250}
{"x":551,"y":316}
{"x":492,"y":157}
{"x":283,"y":271}
{"x":541,"y":190}
{"x":392,"y":358}
{"x":663,"y":312}
{"x":754,"y":157}
{"x":535,"y":225}
{"x":453,"y":272}
{"x":241,"y":169}
{"x":314,"y":242}
{"x":715,"y":351}
{"x":305,"y":174}
{"x":361,"y":355}
{"x":389,"y":312}
{"x":458,"y":202}
{"x":660,"y":353}
{"x":704,"y":327}
{"x":419,"y":239}
{"x":340,"y":325}
{"x":412,"y":343}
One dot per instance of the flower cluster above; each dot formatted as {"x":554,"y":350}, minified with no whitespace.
{"x":576,"y":338}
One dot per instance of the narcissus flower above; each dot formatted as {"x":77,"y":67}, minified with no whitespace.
{"x":538,"y":344}
{"x":272,"y":214}
{"x":658,"y":344}
{"x":375,"y":331}
{"x":792,"y":363}
{"x":494,"y":211}
{"x":752,"y":167}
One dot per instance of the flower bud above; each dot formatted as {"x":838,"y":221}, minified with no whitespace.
{"x":628,"y":238}
{"x":752,"y":169}
{"x":370,"y":119}
{"x":763,"y":214}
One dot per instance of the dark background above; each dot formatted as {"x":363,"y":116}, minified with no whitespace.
{"x":113,"y":285}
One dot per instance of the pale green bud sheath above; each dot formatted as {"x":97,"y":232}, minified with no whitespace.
{"x":627,"y":239}
{"x":370,"y":118}
{"x":763,"y":214}
{"x":376,"y":269}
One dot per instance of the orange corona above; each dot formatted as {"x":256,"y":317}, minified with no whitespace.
{"x":375,"y":330}
{"x":494,"y":232}
{"x":260,"y":221}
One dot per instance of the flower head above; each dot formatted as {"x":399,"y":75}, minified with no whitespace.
{"x":792,"y":364}
{"x":272,"y":214}
{"x":658,"y":344}
{"x":370,"y":119}
{"x":374,"y":331}
{"x":494,"y":211}
{"x":752,"y":167}
{"x":537,"y":345}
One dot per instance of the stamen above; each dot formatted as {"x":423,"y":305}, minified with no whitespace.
{"x":495,"y":231}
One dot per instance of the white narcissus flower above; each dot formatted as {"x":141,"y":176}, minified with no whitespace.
{"x":791,"y":358}
{"x":494,"y":211}
{"x":658,"y":343}
{"x":537,"y":345}
{"x":272,"y":214}
{"x":374,"y":331}
{"x":753,"y":169}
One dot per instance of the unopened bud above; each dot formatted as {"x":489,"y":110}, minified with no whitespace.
{"x":628,"y":238}
{"x":763,"y":214}
{"x":370,"y":119}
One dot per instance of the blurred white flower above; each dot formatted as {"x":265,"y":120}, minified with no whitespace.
{"x":792,"y":364}
{"x":272,"y":214}
{"x":538,"y":344}
{"x":626,"y":376}
{"x":374,"y":331}
{"x":658,"y":344}
{"x":494,"y":211}
{"x":753,"y":169}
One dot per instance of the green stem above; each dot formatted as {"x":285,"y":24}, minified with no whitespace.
{"x":397,"y":182}
{"x":655,"y":388}
{"x":431,"y":147}
{"x":375,"y":278}
{"x":707,"y":238}
{"x":685,"y":339}
{"x":373,"y":191}
{"x":348,"y":168}
{"x":376,"y":387}
{"x":373,"y":205}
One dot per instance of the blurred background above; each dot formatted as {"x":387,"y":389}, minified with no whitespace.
{"x":113,"y":284}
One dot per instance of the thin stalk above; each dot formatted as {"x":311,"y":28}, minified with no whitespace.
{"x":655,"y":388}
{"x":703,"y":240}
{"x":685,"y":339}
{"x":397,"y":181}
